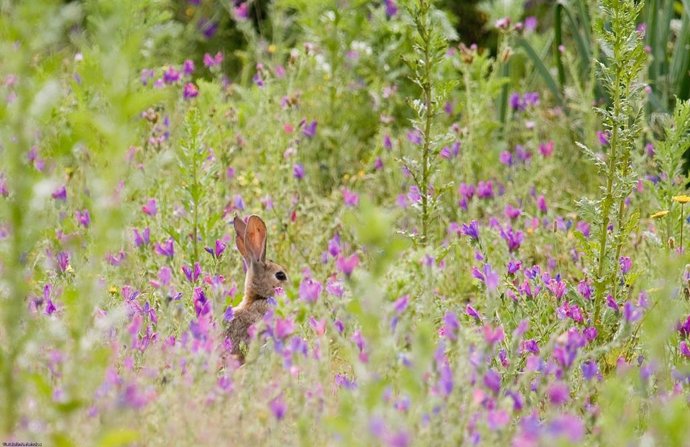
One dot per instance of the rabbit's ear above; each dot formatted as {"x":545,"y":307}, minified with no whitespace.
{"x":255,"y":238}
{"x":241,"y":230}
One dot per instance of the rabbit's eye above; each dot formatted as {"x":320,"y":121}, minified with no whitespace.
{"x":281,"y":276}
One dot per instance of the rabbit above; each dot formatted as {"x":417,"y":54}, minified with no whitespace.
{"x":262,"y":278}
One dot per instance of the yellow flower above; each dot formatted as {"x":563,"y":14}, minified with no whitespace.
{"x":659,"y":214}
{"x":681,"y":199}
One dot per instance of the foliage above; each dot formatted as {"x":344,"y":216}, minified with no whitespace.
{"x":444,"y":286}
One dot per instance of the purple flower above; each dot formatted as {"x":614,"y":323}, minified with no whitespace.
{"x":212,"y":61}
{"x":391,"y":7}
{"x":559,"y":393}
{"x":631,"y":313}
{"x":143,"y":238}
{"x":310,"y":290}
{"x":166,"y":248}
{"x":451,"y":325}
{"x":347,"y":264}
{"x":387,"y":142}
{"x":514,"y":266}
{"x":487,"y":275}
{"x":684,"y":349}
{"x":229,"y":314}
{"x":511,"y":212}
{"x":530,"y":23}
{"x":284,"y":327}
{"x":202,"y":305}
{"x":83,"y":218}
{"x":62,"y":261}
{"x":513,"y":238}
{"x":516,"y":102}
{"x":590,"y":370}
{"x":150,"y":208}
{"x":531,"y":98}
{"x":192,"y":274}
{"x":471,"y":230}
{"x":603,"y":138}
{"x":278,"y":406}
{"x":492,"y":380}
{"x":350,"y":198}
{"x":611,"y":302}
{"x":241,"y":12}
{"x":585,"y":289}
{"x":401,"y":304}
{"x":188,"y":67}
{"x":625,"y":263}
{"x":218,"y":249}
{"x":170,"y":76}
{"x":190,"y":91}
{"x":310,"y":129}
{"x":497,"y":419}
{"x":541,"y":204}
{"x":472,"y":312}
{"x":590,"y":333}
{"x":298,"y":171}
{"x":60,"y":193}
{"x":415,"y":137}
{"x":569,"y":426}
{"x":485,"y":189}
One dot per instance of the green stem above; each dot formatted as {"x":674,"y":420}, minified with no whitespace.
{"x":427,"y":92}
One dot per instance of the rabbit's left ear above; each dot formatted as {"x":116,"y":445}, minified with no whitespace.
{"x":255,"y":238}
{"x":241,"y":230}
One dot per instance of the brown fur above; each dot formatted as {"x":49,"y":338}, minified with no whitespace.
{"x":260,"y":281}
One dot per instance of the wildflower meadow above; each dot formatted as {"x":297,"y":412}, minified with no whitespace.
{"x":344,"y":223}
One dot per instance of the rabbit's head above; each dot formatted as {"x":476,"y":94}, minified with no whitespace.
{"x":263,"y":276}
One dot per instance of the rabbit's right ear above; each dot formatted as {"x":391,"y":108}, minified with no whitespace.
{"x":241,"y":230}
{"x":255,"y":238}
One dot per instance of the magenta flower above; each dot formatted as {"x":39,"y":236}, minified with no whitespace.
{"x":516,"y":102}
{"x":166,"y":248}
{"x":387,"y":142}
{"x":150,"y":208}
{"x":472,"y":312}
{"x":241,"y":12}
{"x":585,"y":289}
{"x":497,"y":419}
{"x":190,"y":91}
{"x":487,"y":275}
{"x":506,"y":158}
{"x":625,"y":263}
{"x":530,"y":23}
{"x":493,"y":335}
{"x":546,"y":149}
{"x":347,"y":264}
{"x":569,"y":426}
{"x":611,"y":302}
{"x":319,"y":326}
{"x":298,"y":171}
{"x":541,"y":204}
{"x":284,"y":327}
{"x":350,"y":198}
